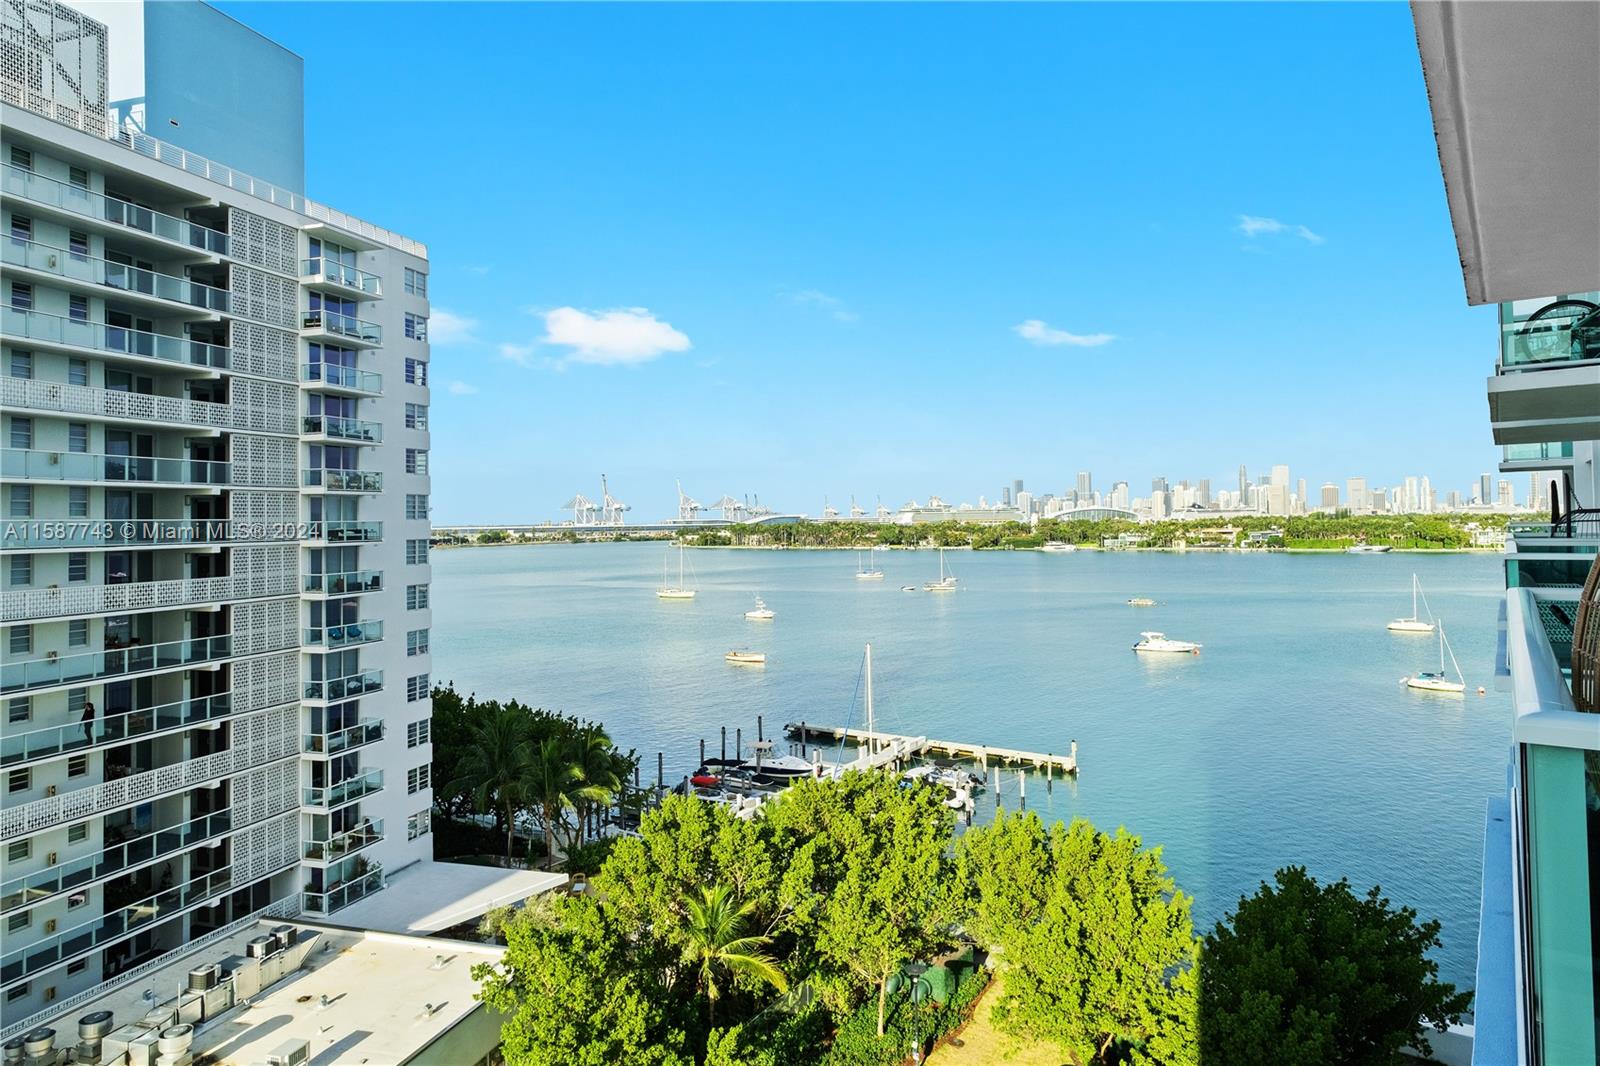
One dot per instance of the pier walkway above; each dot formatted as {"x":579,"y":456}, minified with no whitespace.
{"x":886,"y":747}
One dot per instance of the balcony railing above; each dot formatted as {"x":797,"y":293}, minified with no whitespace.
{"x":349,"y":842}
{"x":332,"y":273}
{"x":34,"y":465}
{"x":344,"y":636}
{"x":343,"y":377}
{"x":345,"y":688}
{"x":345,"y":326}
{"x":54,"y":329}
{"x":345,"y":480}
{"x":76,"y":266}
{"x":367,"y":731}
{"x":342,"y":428}
{"x":111,"y":729}
{"x":344,"y":895}
{"x":134,"y":596}
{"x":68,"y":197}
{"x":1531,"y":453}
{"x":345,"y":532}
{"x":113,"y":662}
{"x":55,"y":396}
{"x":18,"y":964}
{"x":348,"y":583}
{"x":344,"y":792}
{"x":18,"y":534}
{"x":147,"y":846}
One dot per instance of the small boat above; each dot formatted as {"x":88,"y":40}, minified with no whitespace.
{"x":866,"y":571}
{"x":946,"y":582}
{"x":1158,"y":642}
{"x":779,"y":767}
{"x":747,"y":658}
{"x":669,"y":591}
{"x":1438,"y":680}
{"x":908,"y":588}
{"x":1414,"y":624}
{"x":762,"y":613}
{"x":1057,"y":546}
{"x":701,"y":778}
{"x":1368,"y":549}
{"x":1141,"y":601}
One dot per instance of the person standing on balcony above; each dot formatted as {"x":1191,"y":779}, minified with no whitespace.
{"x":88,"y":722}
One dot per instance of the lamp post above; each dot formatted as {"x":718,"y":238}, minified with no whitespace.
{"x":915,"y":970}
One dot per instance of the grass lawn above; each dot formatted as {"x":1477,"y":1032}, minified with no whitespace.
{"x":984,"y":1045}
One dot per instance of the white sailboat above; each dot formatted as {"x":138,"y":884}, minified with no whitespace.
{"x":762,"y":612}
{"x":1439,"y":681}
{"x":1414,"y":624}
{"x":866,"y":571}
{"x":670,"y":591}
{"x":946,"y":582}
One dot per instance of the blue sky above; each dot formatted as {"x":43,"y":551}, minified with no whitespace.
{"x":900,"y":250}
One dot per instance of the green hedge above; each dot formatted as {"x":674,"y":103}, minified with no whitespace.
{"x":857,"y":1043}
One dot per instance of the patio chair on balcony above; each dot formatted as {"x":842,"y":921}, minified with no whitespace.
{"x":1586,"y":645}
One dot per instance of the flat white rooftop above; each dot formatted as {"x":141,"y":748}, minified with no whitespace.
{"x":426,"y":897}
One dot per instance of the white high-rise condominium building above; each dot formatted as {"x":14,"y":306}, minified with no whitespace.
{"x":214,"y":592}
{"x":1355,"y":493}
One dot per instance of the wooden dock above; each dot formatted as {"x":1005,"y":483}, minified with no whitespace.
{"x":878,"y":744}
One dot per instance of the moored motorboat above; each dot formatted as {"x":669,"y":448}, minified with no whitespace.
{"x":762,"y":612}
{"x":747,"y":658}
{"x":1141,"y":601}
{"x":1159,"y":642}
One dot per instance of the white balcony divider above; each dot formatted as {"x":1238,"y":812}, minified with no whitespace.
{"x":19,"y":604}
{"x":81,"y":400}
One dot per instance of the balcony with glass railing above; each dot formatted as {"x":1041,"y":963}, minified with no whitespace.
{"x":342,"y":896}
{"x":25,"y":464}
{"x":331,"y":480}
{"x":1546,"y":452}
{"x":367,"y":731}
{"x":96,"y":933}
{"x":131,"y":281}
{"x":343,"y":380}
{"x":344,"y":792}
{"x":351,"y":687}
{"x":352,"y":429}
{"x":44,"y":329}
{"x":50,"y":741}
{"x":89,"y":666}
{"x":45,"y":533}
{"x":139,"y":847}
{"x":344,"y":583}
{"x":322,"y":324}
{"x":324,"y":273}
{"x":347,"y":635}
{"x":121,"y":215}
{"x":345,"y":532}
{"x":1566,"y":330}
{"x":343,"y":845}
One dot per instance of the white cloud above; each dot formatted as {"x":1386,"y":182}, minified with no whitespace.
{"x":1252,"y":225}
{"x":461,"y":388}
{"x":1035,"y":331}
{"x":517,"y":353}
{"x":619,"y":337}
{"x":445,"y":327}
{"x":832,"y":304}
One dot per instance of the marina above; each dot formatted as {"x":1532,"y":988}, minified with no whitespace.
{"x":902,"y":746}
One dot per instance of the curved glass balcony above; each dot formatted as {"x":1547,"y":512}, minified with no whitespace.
{"x":54,"y":329}
{"x":112,"y":662}
{"x":35,"y":465}
{"x":111,"y":728}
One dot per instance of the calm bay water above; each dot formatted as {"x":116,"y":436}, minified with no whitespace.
{"x":1287,"y":740}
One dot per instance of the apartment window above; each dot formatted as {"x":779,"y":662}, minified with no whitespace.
{"x":78,"y":633}
{"x":416,"y":416}
{"x":21,"y":296}
{"x":78,"y":176}
{"x":416,"y":552}
{"x":19,"y":781}
{"x":21,"y":157}
{"x":77,"y":566}
{"x":22,"y":432}
{"x":77,"y":436}
{"x":419,"y":825}
{"x":16,"y":923}
{"x":416,"y":369}
{"x":76,"y":699}
{"x":21,"y":228}
{"x":417,"y":688}
{"x":419,"y":778}
{"x":419,"y":732}
{"x":416,"y":460}
{"x":417,"y":642}
{"x":416,"y":597}
{"x":25,"y":989}
{"x":19,"y":709}
{"x":22,"y":570}
{"x":77,"y":832}
{"x":21,"y":364}
{"x":77,"y":967}
{"x":78,"y":308}
{"x":19,"y":851}
{"x":19,"y":640}
{"x":21,"y":502}
{"x":78,"y":244}
{"x":78,"y":502}
{"x":77,"y":371}
{"x":416,"y":282}
{"x":416,"y":327}
{"x":77,"y":765}
{"x":416,"y":505}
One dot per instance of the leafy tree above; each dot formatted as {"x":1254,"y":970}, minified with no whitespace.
{"x":496,"y":767}
{"x":1303,"y":972}
{"x":450,"y":733}
{"x":554,"y":786}
{"x":718,"y":942}
{"x":1096,"y":940}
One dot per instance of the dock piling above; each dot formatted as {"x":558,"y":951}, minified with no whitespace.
{"x":1022,"y":787}
{"x":759,"y":736}
{"x":802,"y":740}
{"x":702,"y":751}
{"x":661,"y":772}
{"x":724,"y":745}
{"x":738,"y":743}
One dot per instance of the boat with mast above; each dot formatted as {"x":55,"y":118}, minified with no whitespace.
{"x":946,"y":582}
{"x":867,"y":571}
{"x":1439,"y":681}
{"x":1416,"y":623}
{"x":762,"y":612}
{"x":670,"y":591}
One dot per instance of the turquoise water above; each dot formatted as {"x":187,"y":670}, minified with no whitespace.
{"x":1287,"y":740}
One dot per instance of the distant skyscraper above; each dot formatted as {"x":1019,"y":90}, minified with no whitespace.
{"x":1024,"y":502}
{"x":1085,"y":485}
{"x":1005,"y":496}
{"x":1244,"y":483}
{"x":1424,"y":496}
{"x":1280,"y":475}
{"x":1330,"y":496}
{"x":1300,"y":491}
{"x":1506,"y":499}
{"x":1016,"y":487}
{"x":1355,"y":494}
{"x":1205,"y":492}
{"x":1119,"y":495}
{"x":1485,"y":492}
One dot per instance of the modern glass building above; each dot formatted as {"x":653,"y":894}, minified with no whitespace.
{"x":1515,"y":95}
{"x":214,"y":512}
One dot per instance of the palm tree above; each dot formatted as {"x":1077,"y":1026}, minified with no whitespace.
{"x":717,"y":942}
{"x":556,"y":786}
{"x":598,"y":767}
{"x":497,"y":764}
